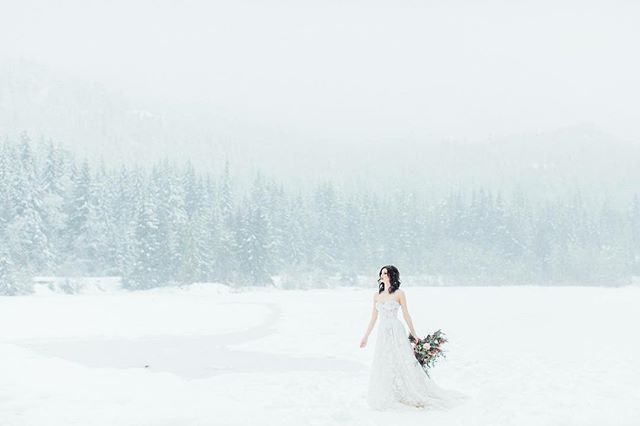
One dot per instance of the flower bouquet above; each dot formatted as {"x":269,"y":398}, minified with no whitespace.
{"x":428,"y":350}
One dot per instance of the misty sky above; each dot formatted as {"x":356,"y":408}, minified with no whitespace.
{"x":455,"y":69}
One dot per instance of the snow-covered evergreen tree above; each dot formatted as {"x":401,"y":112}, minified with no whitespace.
{"x":147,"y":267}
{"x":228,"y":230}
{"x":78,"y":206}
{"x":254,"y":246}
{"x":27,"y":239}
{"x":169,"y":224}
{"x":7,"y":281}
{"x":635,"y":234}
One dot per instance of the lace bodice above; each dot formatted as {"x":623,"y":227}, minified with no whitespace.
{"x":388,"y":310}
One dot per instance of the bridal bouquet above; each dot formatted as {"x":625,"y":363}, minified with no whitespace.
{"x":428,"y":350}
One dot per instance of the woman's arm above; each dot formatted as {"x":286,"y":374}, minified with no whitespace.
{"x":372,"y":322}
{"x":405,"y":314}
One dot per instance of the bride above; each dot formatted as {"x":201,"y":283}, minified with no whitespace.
{"x":396,"y":375}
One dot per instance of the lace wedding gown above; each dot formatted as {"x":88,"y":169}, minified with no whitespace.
{"x":396,"y":375}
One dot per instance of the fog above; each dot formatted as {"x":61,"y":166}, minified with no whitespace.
{"x":235,"y":141}
{"x":197,"y":199}
{"x":267,"y":83}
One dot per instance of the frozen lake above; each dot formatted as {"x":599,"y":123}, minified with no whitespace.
{"x":523,"y":355}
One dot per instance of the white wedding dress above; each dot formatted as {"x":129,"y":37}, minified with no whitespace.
{"x":396,"y":375}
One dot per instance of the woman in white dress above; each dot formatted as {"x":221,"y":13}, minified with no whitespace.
{"x":396,"y":375}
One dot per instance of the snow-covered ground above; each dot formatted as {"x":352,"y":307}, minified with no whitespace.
{"x":205,"y":356}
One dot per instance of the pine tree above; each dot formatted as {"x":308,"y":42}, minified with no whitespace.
{"x":97,"y":228}
{"x":191,"y":190}
{"x":7,"y":282}
{"x":6,"y":172}
{"x":635,"y":234}
{"x":78,"y":211}
{"x":147,"y":267}
{"x":229,"y":244}
{"x":255,"y":246}
{"x":52,"y":187}
{"x":326,"y":217}
{"x":27,"y":238}
{"x":198,"y":262}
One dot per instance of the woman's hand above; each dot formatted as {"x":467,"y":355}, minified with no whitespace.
{"x":363,"y":342}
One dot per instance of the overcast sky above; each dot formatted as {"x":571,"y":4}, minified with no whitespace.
{"x":454,"y":69}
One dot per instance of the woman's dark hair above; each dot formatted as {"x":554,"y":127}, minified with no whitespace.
{"x":394,"y":278}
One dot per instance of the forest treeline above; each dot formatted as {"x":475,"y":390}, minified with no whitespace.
{"x":166,"y":224}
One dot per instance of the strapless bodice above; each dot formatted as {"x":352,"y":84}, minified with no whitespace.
{"x":388,"y":310}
